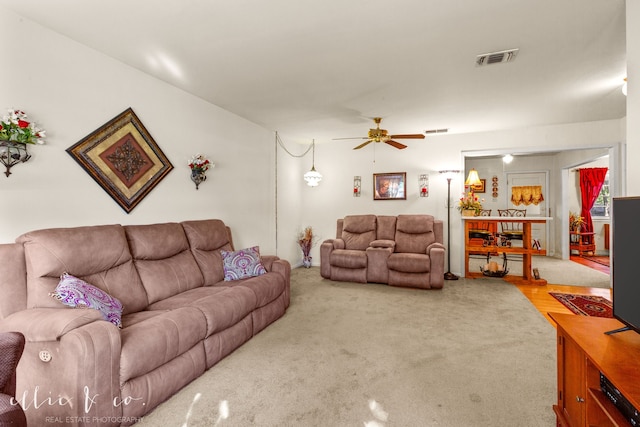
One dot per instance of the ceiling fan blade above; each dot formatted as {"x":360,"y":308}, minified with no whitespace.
{"x":396,"y":144}
{"x":355,"y":137}
{"x":408,"y":136}
{"x":363,"y":144}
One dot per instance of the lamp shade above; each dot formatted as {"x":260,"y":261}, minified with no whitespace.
{"x":313,"y":177}
{"x":473,"y":178}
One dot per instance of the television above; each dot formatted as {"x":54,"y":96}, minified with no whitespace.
{"x":625,"y":262}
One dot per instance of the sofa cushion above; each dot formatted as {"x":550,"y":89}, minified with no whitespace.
{"x":96,"y":254}
{"x":207,"y":238}
{"x":163,"y":259}
{"x":77,"y":293}
{"x":358,"y":231}
{"x":158,"y":339}
{"x":414,"y":233}
{"x":346,"y":258}
{"x":222,"y":306}
{"x":386,"y":225}
{"x":266,"y":288}
{"x":242,"y":264}
{"x":409,"y":263}
{"x":13,"y":280}
{"x":226,"y":308}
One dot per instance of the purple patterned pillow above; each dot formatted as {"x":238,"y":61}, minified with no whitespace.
{"x":242,"y":264}
{"x":77,"y":293}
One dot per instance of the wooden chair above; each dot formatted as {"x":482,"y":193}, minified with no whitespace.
{"x":511,"y":230}
{"x":482,"y":229}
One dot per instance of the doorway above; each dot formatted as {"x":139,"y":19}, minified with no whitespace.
{"x":539,"y":232}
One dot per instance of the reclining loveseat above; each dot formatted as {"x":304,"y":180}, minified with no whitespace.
{"x":184,"y":306}
{"x":403,"y":250}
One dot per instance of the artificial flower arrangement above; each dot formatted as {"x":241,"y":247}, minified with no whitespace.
{"x":469,"y":201}
{"x":575,"y":221}
{"x":16,"y":127}
{"x":307,"y":240}
{"x":200,"y":163}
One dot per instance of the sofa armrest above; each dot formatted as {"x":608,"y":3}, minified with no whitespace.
{"x":436,"y":256}
{"x":335,"y":243}
{"x":82,"y":367}
{"x":49,"y":324}
{"x":383,"y":244}
{"x":283,"y":267}
{"x":326,"y":248}
{"x":268,"y":260}
{"x":434,"y":246}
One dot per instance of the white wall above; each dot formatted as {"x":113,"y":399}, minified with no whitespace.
{"x":338,"y":162}
{"x":633,"y":98}
{"x":71,"y":90}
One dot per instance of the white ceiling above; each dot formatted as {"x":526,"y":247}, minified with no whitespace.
{"x":322,"y":69}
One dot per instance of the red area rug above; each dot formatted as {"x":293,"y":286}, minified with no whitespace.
{"x":604,"y":260}
{"x":586,"y":305}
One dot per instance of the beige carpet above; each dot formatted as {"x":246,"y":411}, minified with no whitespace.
{"x":476,"y":353}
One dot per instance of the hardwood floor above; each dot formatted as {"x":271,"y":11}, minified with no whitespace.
{"x":545,"y":303}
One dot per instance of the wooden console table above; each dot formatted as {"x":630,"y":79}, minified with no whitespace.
{"x":582,"y":242}
{"x":584,"y":351}
{"x":471,"y":247}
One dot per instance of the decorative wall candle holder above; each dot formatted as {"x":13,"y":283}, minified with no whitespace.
{"x":357,"y":186}
{"x":199,"y":166}
{"x":494,"y":186}
{"x":423,"y":183}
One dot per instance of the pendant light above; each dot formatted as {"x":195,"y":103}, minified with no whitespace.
{"x":313,"y":177}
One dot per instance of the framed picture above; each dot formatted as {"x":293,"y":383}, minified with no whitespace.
{"x":390,"y":186}
{"x":122,"y":157}
{"x":480,"y":188}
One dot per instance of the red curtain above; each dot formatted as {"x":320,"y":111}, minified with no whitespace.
{"x":591,"y":180}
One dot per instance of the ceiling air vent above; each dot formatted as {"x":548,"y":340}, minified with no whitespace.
{"x":496,"y":57}
{"x":434,"y":131}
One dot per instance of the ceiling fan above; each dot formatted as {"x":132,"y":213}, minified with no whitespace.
{"x":381,"y":135}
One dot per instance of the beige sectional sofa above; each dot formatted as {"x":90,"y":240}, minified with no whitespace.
{"x":180,"y":316}
{"x":403,"y":250}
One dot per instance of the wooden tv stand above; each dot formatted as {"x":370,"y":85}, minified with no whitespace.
{"x":584,"y":351}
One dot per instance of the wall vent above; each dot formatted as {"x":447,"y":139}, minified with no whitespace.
{"x":434,"y":131}
{"x":496,"y":57}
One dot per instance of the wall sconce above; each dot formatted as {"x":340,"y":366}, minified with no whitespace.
{"x":199,"y":166}
{"x":507,"y":158}
{"x":423,"y":183}
{"x":357,"y":187}
{"x":16,"y":131}
{"x":313,"y":177}
{"x":12,"y":153}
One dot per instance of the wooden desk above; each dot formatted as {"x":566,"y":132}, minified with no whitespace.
{"x":584,"y":351}
{"x":526,"y":250}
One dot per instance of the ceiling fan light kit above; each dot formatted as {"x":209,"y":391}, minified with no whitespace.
{"x":382,"y":135}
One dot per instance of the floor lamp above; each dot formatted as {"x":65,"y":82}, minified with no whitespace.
{"x":449,"y":174}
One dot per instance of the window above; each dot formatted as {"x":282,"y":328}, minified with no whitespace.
{"x":601,"y":206}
